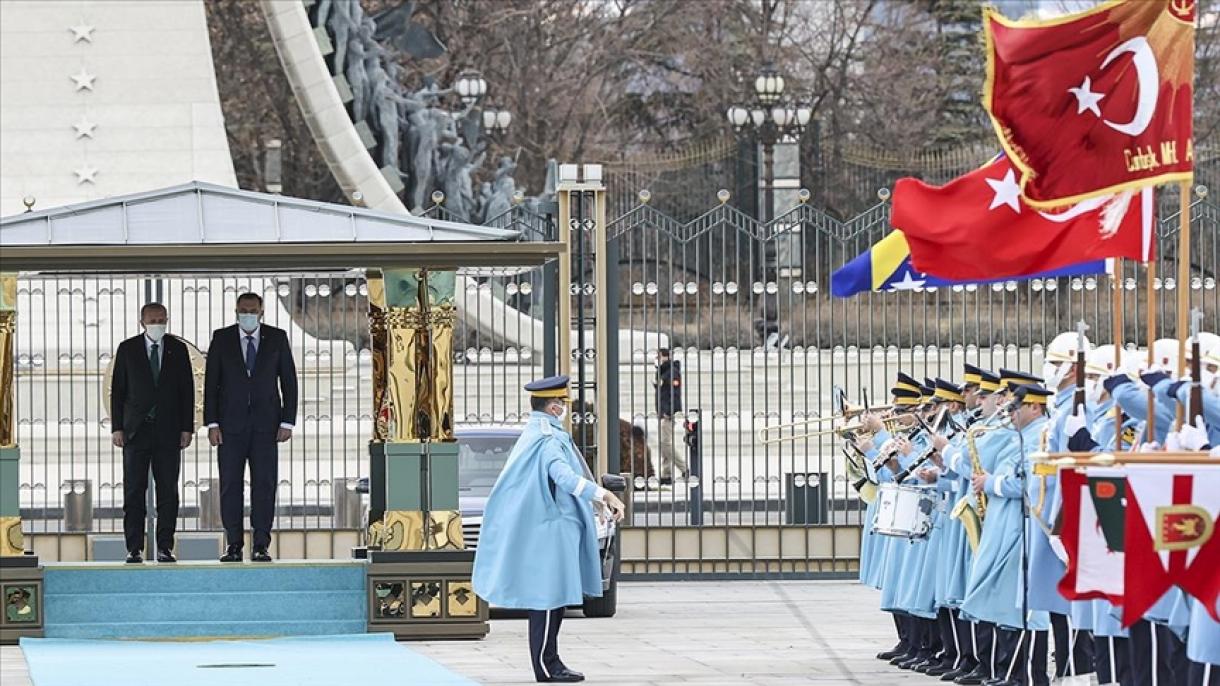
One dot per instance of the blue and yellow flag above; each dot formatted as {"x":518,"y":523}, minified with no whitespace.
{"x":887,"y":267}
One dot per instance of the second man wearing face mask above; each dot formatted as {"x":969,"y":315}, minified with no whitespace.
{"x":250,"y":405}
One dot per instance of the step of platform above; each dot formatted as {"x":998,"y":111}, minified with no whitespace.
{"x":204,"y":599}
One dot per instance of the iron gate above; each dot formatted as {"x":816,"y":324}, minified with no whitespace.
{"x":761,"y":345}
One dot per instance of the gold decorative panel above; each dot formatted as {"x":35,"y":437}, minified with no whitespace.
{"x":12,"y":542}
{"x":462,"y":601}
{"x":425,"y":598}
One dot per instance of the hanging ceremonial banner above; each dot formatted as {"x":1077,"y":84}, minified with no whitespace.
{"x":1169,"y":535}
{"x":1096,"y":102}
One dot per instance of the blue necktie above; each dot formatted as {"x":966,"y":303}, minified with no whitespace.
{"x":250,"y":355}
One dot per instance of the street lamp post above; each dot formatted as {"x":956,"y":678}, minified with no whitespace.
{"x":768,"y":119}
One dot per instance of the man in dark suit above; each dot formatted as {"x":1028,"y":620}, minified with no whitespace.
{"x":152,"y":411}
{"x":668,"y":385}
{"x":250,"y":405}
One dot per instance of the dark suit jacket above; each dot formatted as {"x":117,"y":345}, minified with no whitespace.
{"x":239,"y":402}
{"x":133,"y":394}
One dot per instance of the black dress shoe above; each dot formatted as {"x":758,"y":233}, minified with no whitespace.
{"x":569,"y":670}
{"x":926,"y":665}
{"x":166,"y":556}
{"x":974,"y":678}
{"x":967,"y":666}
{"x":903,"y":657}
{"x":894,"y":652}
{"x":233,"y":554}
{"x":910,"y":664}
{"x":566,"y":676}
{"x":260,"y":555}
{"x":940,"y":670}
{"x":134,"y":557}
{"x":1001,"y":682}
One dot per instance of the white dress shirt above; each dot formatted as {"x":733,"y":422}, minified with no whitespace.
{"x":149,"y":343}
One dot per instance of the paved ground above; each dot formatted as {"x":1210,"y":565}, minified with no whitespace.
{"x":742,"y":632}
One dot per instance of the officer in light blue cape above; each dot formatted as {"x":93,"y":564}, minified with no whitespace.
{"x":538,"y":545}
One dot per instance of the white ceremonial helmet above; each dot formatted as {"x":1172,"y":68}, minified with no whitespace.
{"x":1134,"y":361}
{"x":1099,"y":365}
{"x":1100,"y":361}
{"x":1165,"y":354}
{"x":1059,"y":356}
{"x":1209,"y":356}
{"x":1207,"y":341}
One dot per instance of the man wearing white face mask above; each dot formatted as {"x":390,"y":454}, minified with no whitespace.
{"x":250,"y":406}
{"x":152,"y":411}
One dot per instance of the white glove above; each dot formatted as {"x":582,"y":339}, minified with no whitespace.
{"x":1153,"y":447}
{"x":1075,"y":422}
{"x":1191,"y":437}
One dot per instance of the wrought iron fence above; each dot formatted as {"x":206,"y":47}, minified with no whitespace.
{"x":755,"y":348}
{"x":758,"y":348}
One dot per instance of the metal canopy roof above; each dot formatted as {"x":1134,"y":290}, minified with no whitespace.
{"x":204,"y":227}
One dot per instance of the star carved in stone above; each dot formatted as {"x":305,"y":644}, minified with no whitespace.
{"x":1086,"y":97}
{"x":908,"y":283}
{"x":1007,"y":192}
{"x":81,"y":32}
{"x":84,"y":80}
{"x":85,"y":174}
{"x":84,"y":128}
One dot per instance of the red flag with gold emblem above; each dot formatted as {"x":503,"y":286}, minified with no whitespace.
{"x":1094,"y":102}
{"x":1170,"y":535}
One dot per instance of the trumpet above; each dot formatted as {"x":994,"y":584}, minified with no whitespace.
{"x":851,"y":430}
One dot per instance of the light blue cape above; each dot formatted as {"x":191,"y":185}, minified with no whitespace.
{"x":538,"y":545}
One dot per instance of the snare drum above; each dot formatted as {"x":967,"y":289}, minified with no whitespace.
{"x":904,"y":510}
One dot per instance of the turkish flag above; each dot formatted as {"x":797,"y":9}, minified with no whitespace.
{"x":977,"y":226}
{"x":1095,"y":102}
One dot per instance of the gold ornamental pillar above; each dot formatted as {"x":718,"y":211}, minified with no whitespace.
{"x":419,"y":576}
{"x":411,"y":320}
{"x":12,"y":543}
{"x":20,"y":574}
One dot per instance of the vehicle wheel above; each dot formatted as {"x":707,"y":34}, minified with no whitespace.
{"x":604,"y":606}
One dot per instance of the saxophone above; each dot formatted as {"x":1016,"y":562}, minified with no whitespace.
{"x":971,"y":514}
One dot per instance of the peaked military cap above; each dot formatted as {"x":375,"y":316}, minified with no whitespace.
{"x":988,"y":382}
{"x":907,"y":381}
{"x":1010,"y":378}
{"x":1032,"y":394}
{"x":948,"y":392}
{"x":971,"y":375}
{"x":905,"y":396}
{"x":550,"y":387}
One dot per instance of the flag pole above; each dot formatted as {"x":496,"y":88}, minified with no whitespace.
{"x":1116,"y":308}
{"x":1183,"y":282}
{"x":1050,"y":463}
{"x":1150,"y":432}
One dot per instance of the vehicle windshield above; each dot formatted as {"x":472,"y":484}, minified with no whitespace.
{"x":480,"y":460}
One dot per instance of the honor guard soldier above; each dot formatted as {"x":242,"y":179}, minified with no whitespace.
{"x":1073,"y":648}
{"x":538,"y":547}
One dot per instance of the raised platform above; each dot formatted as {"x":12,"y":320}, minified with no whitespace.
{"x":193,"y":600}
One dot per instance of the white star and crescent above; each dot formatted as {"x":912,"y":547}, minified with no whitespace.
{"x":1148,"y":78}
{"x":84,"y":80}
{"x":1007,"y":192}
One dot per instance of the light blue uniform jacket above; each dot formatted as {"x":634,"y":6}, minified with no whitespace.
{"x":995,"y":591}
{"x":1045,"y":568}
{"x":956,"y":556}
{"x":538,"y":545}
{"x":872,"y":546}
{"x":1133,"y":399}
{"x":1211,"y":412}
{"x":905,"y":559}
